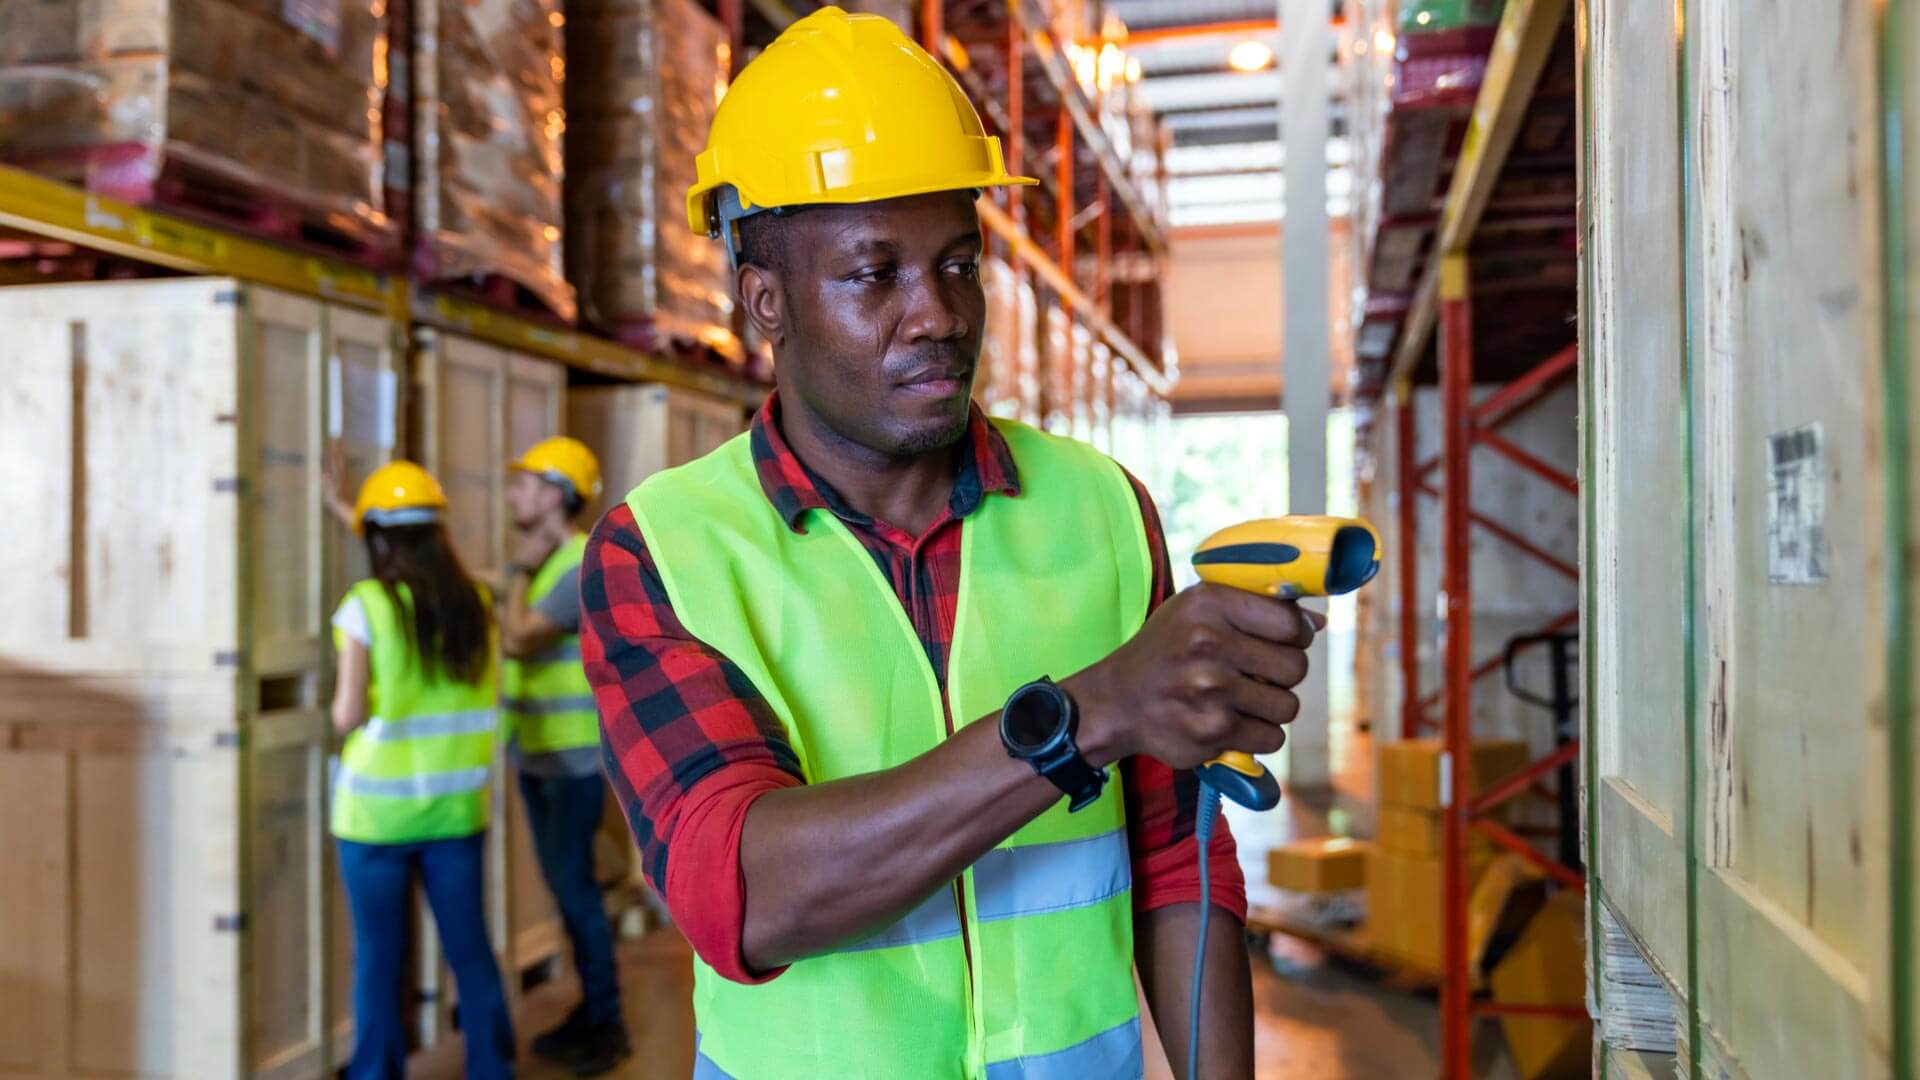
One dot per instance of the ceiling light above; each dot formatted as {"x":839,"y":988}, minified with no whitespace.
{"x":1383,"y":41}
{"x":1250,"y":56}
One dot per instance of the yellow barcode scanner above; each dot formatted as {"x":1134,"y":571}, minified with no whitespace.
{"x":1286,"y":558}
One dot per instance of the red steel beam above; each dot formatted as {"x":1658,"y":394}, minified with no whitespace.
{"x":1411,"y":711}
{"x":1522,"y":780}
{"x":933,"y":26}
{"x":1016,"y":116}
{"x":1565,"y":481}
{"x":1492,"y":664}
{"x":1517,"y":396}
{"x":1521,"y":543}
{"x":1063,"y":179}
{"x":1512,"y":841}
{"x":1456,"y":381}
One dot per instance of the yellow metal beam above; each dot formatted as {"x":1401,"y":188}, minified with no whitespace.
{"x":1528,"y":30}
{"x":60,"y":211}
{"x":575,"y":349}
{"x":999,"y":223}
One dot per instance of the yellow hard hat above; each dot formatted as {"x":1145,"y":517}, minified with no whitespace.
{"x":840,"y":109}
{"x":563,"y":461}
{"x":398,"y":493}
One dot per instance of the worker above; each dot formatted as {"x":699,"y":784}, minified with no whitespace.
{"x":416,"y":700}
{"x":899,"y":701}
{"x":556,"y":734}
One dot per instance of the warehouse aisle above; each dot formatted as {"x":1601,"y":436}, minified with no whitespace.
{"x":1315,"y":1021}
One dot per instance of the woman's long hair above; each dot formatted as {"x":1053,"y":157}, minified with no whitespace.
{"x":451,"y":627}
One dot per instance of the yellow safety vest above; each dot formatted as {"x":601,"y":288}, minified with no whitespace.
{"x":1023,"y":969}
{"x":546,"y":698}
{"x":421,"y":767}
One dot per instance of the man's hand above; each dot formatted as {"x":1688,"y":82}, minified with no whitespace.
{"x":1212,"y":670}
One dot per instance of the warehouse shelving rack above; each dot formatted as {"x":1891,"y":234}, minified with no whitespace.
{"x":1529,"y":33}
{"x":57,"y":211}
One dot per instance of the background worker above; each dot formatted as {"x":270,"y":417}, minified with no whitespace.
{"x":899,"y":701}
{"x":556,"y":733}
{"x":416,"y":699}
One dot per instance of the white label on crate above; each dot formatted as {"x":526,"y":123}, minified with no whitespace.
{"x":386,"y":388}
{"x":1797,"y":506}
{"x":318,"y":19}
{"x":336,"y":397}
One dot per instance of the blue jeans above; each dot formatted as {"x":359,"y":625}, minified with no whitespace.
{"x":377,"y":877}
{"x":564,"y":814}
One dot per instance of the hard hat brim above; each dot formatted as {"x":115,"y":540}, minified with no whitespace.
{"x":701,"y":219}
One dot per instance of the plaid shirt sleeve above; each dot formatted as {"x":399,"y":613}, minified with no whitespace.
{"x":688,"y":741}
{"x":1161,"y":800}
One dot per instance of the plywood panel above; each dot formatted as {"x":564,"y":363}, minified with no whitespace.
{"x":363,"y":415}
{"x":1789,"y":272}
{"x":1638,"y":481}
{"x":124,"y":972}
{"x":283,"y":491}
{"x":35,"y":910}
{"x":117,"y":422}
{"x":469,"y":458}
{"x":286,"y":903}
{"x":639,"y":430}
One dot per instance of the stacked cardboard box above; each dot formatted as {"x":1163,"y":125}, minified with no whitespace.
{"x":274,"y":105}
{"x":1316,"y":867}
{"x":645,"y":80}
{"x":489,"y":118}
{"x":1405,"y":871}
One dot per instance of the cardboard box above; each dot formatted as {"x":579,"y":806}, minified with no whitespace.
{"x":1409,"y":771}
{"x":1408,"y":831}
{"x":1404,"y":907}
{"x":1325,"y":865}
{"x":1546,"y":966}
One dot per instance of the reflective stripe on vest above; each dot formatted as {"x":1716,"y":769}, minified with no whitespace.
{"x":422,"y":767}
{"x":1011,"y":882}
{"x":1113,"y":1053}
{"x":1045,"y":973}
{"x":546,"y":697}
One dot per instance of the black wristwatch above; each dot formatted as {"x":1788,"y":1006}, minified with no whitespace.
{"x":1037,"y":725}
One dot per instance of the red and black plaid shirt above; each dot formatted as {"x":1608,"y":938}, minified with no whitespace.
{"x":690,"y":742}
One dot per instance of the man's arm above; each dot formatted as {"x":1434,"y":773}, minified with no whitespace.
{"x":1163,"y":952}
{"x":528,"y":629}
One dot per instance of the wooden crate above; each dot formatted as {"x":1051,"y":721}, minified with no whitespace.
{"x":174,"y":907}
{"x":639,"y":430}
{"x":1738,"y":577}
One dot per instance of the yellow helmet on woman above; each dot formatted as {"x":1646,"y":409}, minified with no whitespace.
{"x":398,"y":493}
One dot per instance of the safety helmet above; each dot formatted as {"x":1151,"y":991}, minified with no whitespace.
{"x":398,"y":493}
{"x":839,"y":109}
{"x":563,"y":461}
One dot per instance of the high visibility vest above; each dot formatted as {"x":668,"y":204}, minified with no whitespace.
{"x":421,"y":767}
{"x":1023,"y":967}
{"x":546,"y":698}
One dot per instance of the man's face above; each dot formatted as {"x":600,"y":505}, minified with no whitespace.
{"x":883,"y":319}
{"x":530,"y":499}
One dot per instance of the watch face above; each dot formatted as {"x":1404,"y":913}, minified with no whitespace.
{"x":1034,"y":718}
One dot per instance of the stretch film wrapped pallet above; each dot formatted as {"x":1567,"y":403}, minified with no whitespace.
{"x":266,"y":112}
{"x":645,"y":81}
{"x":489,"y":118}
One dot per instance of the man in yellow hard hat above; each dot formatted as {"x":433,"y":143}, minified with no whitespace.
{"x":899,"y":701}
{"x":548,"y":706}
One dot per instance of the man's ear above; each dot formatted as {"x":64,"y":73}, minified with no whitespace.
{"x":764,"y":301}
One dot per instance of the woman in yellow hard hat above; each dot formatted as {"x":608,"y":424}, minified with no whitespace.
{"x":416,"y":698}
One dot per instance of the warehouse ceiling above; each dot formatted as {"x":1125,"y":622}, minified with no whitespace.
{"x":1225,"y":167}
